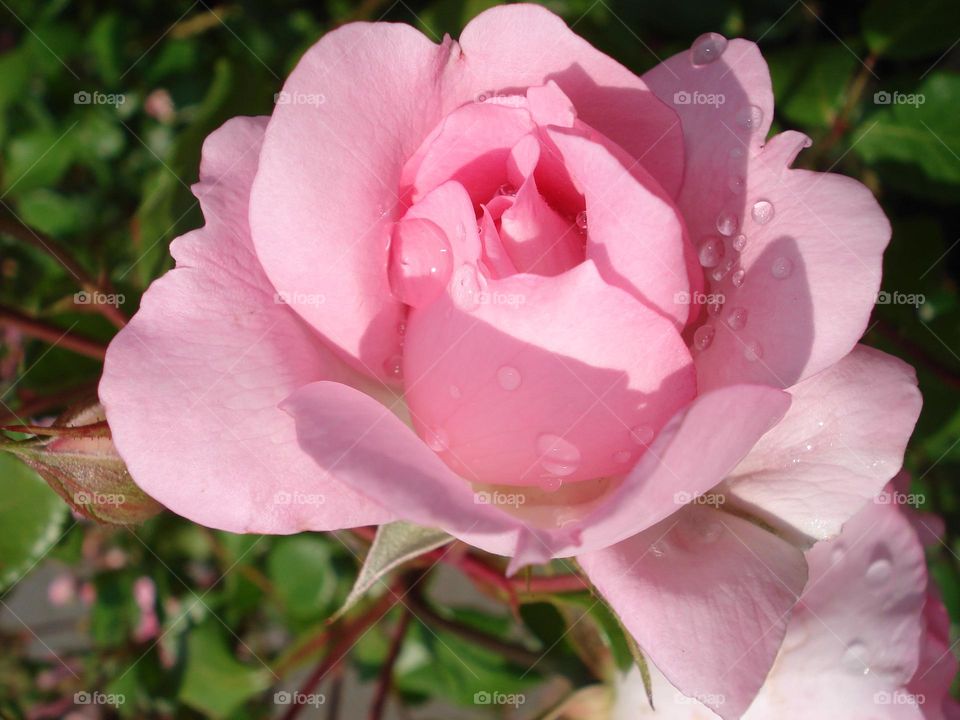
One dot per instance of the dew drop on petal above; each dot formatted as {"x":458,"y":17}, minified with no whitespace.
{"x":703,"y":337}
{"x":707,"y":49}
{"x":737,"y":277}
{"x":558,"y":457}
{"x":582,"y":220}
{"x":710,"y":252}
{"x":727,"y":223}
{"x":736,"y":183}
{"x":437,"y":440}
{"x":782,"y":268}
{"x":393,"y":366}
{"x":739,"y":243}
{"x":855,"y":658}
{"x":506,"y":189}
{"x":715,"y":305}
{"x":641,"y":434}
{"x":455,"y":392}
{"x":420,"y":262}
{"x":762,"y":212}
{"x":509,"y":377}
{"x":549,"y":483}
{"x":737,"y":319}
{"x":879,"y":570}
{"x":720,"y":272}
{"x":466,"y":288}
{"x":622,"y":456}
{"x":750,"y":117}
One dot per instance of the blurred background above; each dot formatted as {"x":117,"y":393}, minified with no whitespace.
{"x":103,"y":108}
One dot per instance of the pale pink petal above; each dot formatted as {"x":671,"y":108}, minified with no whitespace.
{"x":513,"y":47}
{"x":497,"y":369}
{"x":811,"y":262}
{"x":191,"y":384}
{"x":707,"y":596}
{"x":841,"y":441}
{"x":325,"y":195}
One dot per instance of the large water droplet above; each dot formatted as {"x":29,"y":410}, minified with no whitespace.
{"x":437,"y":439}
{"x":855,"y":658}
{"x":558,"y":457}
{"x":509,"y":377}
{"x":737,"y":318}
{"x":750,"y":117}
{"x":466,"y":287}
{"x":707,"y":49}
{"x":710,"y":252}
{"x":642,"y":434}
{"x":762,"y":212}
{"x":420,"y":261}
{"x":727,"y":223}
{"x":703,"y":337}
{"x":782,"y":268}
{"x":582,"y":220}
{"x":737,"y":277}
{"x":752,"y":351}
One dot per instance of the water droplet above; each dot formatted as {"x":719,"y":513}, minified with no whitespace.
{"x":582,"y":220}
{"x":466,"y":288}
{"x":557,"y":456}
{"x":750,"y":117}
{"x":509,"y":377}
{"x":879,"y":570}
{"x":762,"y":212}
{"x":720,"y":272}
{"x":506,"y":189}
{"x":739,"y":243}
{"x":715,"y":305}
{"x":707,"y":49}
{"x":549,"y":483}
{"x":737,"y":278}
{"x":710,"y":531}
{"x":752,"y":351}
{"x":657,"y":550}
{"x":727,"y":223}
{"x":782,"y":268}
{"x":420,"y":262}
{"x":855,"y":658}
{"x":839,"y":550}
{"x":737,"y":318}
{"x":402,"y":328}
{"x":394,"y":366}
{"x":737,"y":183}
{"x":703,"y":337}
{"x":710,"y":252}
{"x":622,"y":456}
{"x":642,"y":434}
{"x":455,"y":392}
{"x":437,"y":440}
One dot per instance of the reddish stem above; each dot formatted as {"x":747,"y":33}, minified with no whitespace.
{"x":386,"y":672}
{"x":52,"y":334}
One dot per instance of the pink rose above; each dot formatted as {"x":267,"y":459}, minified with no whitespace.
{"x":460,"y":285}
{"x":868,"y":639}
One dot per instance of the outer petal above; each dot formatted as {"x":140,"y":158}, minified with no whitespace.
{"x":812,"y":269}
{"x":512,"y":47}
{"x":191,"y":385}
{"x":842,"y":440}
{"x":325,"y":195}
{"x":854,"y":639}
{"x":707,"y":596}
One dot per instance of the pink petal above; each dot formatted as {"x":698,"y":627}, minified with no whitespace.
{"x":191,"y":385}
{"x":512,"y":47}
{"x":634,"y":233}
{"x":813,"y":244}
{"x":841,"y":441}
{"x":854,"y":638}
{"x":707,"y":596}
{"x":324,"y":199}
{"x":497,"y":370}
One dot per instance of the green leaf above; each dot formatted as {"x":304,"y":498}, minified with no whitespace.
{"x":924,"y":134}
{"x":811,"y":82}
{"x":300,"y":570}
{"x":911,"y":30}
{"x":214,"y":681}
{"x":30,"y":518}
{"x":37,"y":158}
{"x":394,"y":544}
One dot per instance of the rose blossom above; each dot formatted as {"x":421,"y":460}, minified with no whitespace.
{"x":462,"y":284}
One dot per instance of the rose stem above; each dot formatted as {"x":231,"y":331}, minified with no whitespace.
{"x":385,"y":680}
{"x":51,"y":334}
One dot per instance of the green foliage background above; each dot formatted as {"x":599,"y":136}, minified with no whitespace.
{"x":110,"y":184}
